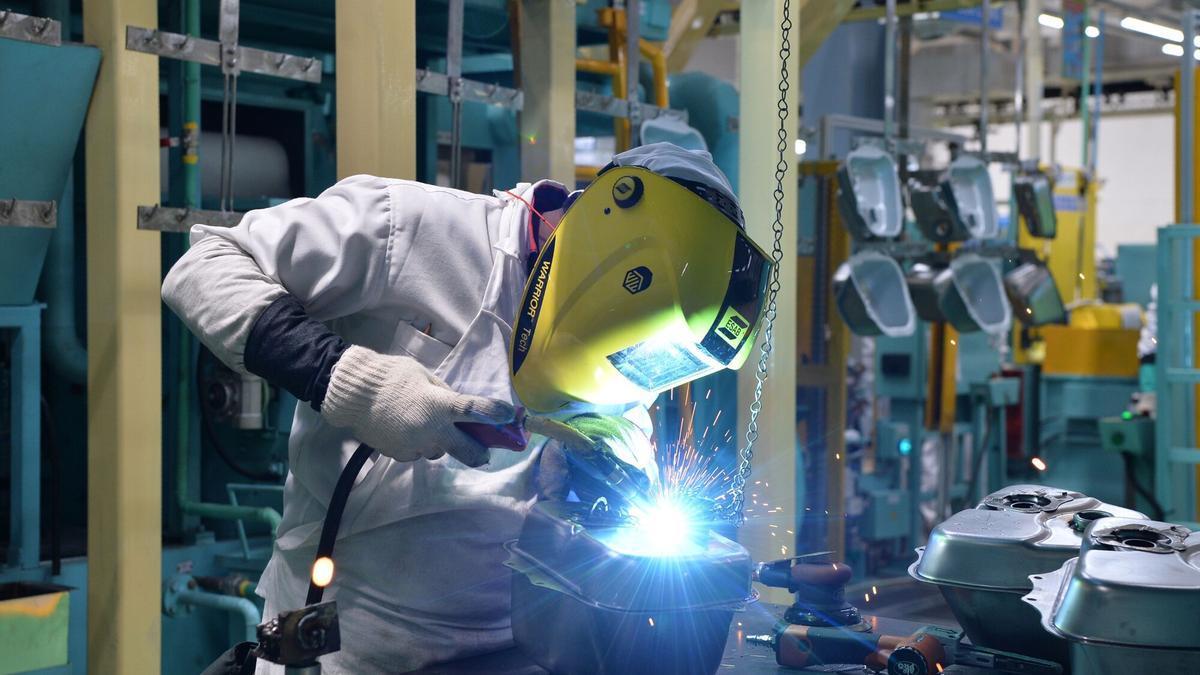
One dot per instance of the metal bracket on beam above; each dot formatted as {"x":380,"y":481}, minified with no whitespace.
{"x":167,"y":219}
{"x":590,"y":101}
{"x":37,"y":29}
{"x":209,"y":53}
{"x":19,"y":213}
{"x":438,"y":84}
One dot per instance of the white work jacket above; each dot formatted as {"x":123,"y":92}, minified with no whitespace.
{"x":401,"y":268}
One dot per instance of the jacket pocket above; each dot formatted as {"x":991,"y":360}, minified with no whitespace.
{"x":426,"y":349}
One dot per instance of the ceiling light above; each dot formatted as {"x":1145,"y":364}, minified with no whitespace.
{"x":1172,"y":50}
{"x":1152,"y":29}
{"x":1051,"y":21}
{"x":1091,"y":31}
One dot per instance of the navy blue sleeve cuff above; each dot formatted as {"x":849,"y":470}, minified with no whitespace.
{"x":292,"y":351}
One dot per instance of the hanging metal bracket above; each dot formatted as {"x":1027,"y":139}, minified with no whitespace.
{"x":210,"y":53}
{"x":20,"y":213}
{"x":37,"y":29}
{"x":167,"y":219}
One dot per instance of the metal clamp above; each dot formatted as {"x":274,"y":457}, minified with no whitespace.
{"x":210,"y":53}
{"x":166,"y":219}
{"x":35,"y":29}
{"x":21,"y":213}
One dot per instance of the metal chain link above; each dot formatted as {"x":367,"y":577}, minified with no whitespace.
{"x":734,"y":507}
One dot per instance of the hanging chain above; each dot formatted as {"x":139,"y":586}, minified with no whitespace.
{"x":733,"y":509}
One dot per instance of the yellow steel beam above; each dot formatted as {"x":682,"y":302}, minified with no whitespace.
{"x":376,"y":89}
{"x":913,"y":7}
{"x":818,"y":18}
{"x":547,"y":65}
{"x":691,"y":21}
{"x":775,"y":462}
{"x":124,"y":350}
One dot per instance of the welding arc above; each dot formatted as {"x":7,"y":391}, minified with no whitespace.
{"x":333,"y":515}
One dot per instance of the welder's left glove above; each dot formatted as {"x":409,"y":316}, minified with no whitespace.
{"x":624,"y":439}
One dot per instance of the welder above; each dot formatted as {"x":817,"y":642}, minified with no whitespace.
{"x":397,"y":311}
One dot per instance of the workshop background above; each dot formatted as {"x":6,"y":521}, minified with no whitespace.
{"x":987,"y":281}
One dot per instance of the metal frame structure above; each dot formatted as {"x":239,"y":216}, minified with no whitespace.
{"x":1176,"y":374}
{"x":26,"y":386}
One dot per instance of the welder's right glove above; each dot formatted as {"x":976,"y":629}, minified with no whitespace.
{"x":393,"y":404}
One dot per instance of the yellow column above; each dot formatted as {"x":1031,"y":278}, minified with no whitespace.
{"x":776,"y":455}
{"x":376,"y":88}
{"x":547,"y":59}
{"x":124,"y":350}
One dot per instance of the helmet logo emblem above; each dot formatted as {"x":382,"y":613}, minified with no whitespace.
{"x":627,"y":191}
{"x":638,"y":279}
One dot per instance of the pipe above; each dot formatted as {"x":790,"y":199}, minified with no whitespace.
{"x":1034,"y":71}
{"x":658,"y":65}
{"x":1019,"y":90}
{"x":1187,"y":114}
{"x":985,"y":55}
{"x":191,"y":170}
{"x":60,"y":333}
{"x":225,"y":603}
{"x":889,"y":74}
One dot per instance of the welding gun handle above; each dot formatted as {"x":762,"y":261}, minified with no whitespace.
{"x":510,"y":436}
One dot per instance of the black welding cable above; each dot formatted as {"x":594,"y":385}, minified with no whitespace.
{"x":54,"y":461}
{"x":333,"y":514}
{"x":1157,"y":511}
{"x":210,"y":434}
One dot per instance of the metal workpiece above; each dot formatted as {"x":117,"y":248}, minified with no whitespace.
{"x":24,"y":213}
{"x":169,"y":219}
{"x":981,"y":560}
{"x":869,"y":194}
{"x":36,"y":29}
{"x":211,"y":53}
{"x":871,"y":296}
{"x":1130,"y":602}
{"x":587,"y":600}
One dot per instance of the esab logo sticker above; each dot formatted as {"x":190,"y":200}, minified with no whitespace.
{"x":732,"y":327}
{"x":531,"y":307}
{"x":638,"y":279}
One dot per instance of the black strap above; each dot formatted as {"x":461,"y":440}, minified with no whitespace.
{"x":333,"y":515}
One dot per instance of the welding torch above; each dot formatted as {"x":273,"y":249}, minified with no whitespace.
{"x":926,"y":652}
{"x":623,"y":480}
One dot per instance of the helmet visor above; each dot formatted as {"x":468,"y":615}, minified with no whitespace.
{"x":660,"y":362}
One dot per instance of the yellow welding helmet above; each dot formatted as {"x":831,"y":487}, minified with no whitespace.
{"x":647,"y":283}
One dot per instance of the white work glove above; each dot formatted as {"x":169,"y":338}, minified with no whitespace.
{"x":395,"y":405}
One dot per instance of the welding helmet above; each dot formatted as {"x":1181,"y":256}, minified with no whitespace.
{"x":648,"y":282}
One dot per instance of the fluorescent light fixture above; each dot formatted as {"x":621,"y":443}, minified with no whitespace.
{"x":802,"y":146}
{"x":1177,"y":50}
{"x":1091,"y":31}
{"x":1051,"y":21}
{"x":1152,"y":29}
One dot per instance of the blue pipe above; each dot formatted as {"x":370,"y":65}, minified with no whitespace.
{"x":60,"y":335}
{"x":225,"y":603}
